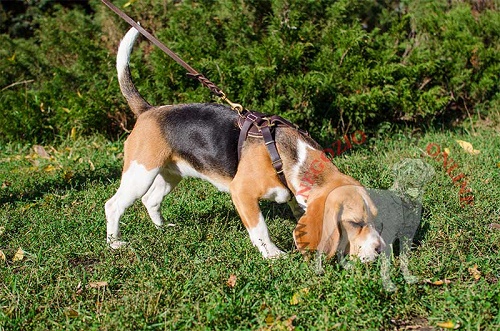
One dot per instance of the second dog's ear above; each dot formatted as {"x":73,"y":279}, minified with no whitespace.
{"x":429,"y":171}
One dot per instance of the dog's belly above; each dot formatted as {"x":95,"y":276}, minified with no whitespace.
{"x":184,"y":169}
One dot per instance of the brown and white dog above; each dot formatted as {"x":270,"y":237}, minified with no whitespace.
{"x":200,"y":140}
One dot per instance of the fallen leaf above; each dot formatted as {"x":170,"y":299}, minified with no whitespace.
{"x":6,"y":184}
{"x":92,"y":166}
{"x":438,"y":282}
{"x":19,"y":255}
{"x":498,"y":165}
{"x":2,"y":230}
{"x":297,"y":296}
{"x":49,"y":168}
{"x":70,"y":312}
{"x":231,"y":282}
{"x":98,"y":284}
{"x":73,"y":133}
{"x":447,"y":151}
{"x":448,"y":325}
{"x":129,"y":3}
{"x":474,"y":272}
{"x":295,"y":299}
{"x":2,"y":256}
{"x":269,"y":319}
{"x":289,"y":323}
{"x":495,"y":226}
{"x":467,"y":146}
{"x":40,"y":151}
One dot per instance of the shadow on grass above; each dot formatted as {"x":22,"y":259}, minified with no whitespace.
{"x":37,"y":186}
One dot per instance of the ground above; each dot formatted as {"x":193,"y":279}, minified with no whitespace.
{"x":58,"y":273}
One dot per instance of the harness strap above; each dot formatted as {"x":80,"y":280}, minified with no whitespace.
{"x":273,"y":153}
{"x":250,"y":120}
{"x":255,"y":124}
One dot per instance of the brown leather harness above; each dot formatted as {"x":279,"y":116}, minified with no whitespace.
{"x":251,"y":123}
{"x":255,"y":124}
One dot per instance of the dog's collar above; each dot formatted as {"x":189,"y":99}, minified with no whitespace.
{"x":258,"y":125}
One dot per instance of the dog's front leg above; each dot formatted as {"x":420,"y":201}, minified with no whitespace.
{"x":248,"y":207}
{"x":385,"y":269}
{"x":405,"y":247}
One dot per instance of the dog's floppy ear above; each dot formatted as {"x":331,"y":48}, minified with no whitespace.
{"x":318,"y":230}
{"x":334,"y":208}
{"x":307,"y":233}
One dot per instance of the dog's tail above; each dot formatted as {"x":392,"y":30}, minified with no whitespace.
{"x":136,"y":102}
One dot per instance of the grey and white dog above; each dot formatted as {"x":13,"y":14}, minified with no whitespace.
{"x":399,"y":214}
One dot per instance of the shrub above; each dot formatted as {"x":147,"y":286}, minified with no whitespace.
{"x":329,"y":66}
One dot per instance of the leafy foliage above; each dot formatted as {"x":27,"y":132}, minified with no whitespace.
{"x":330,"y":66}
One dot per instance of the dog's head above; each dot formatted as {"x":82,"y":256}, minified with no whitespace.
{"x":340,"y":221}
{"x":411,"y":175}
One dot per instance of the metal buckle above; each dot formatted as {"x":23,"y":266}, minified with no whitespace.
{"x":234,"y":106}
{"x":266,"y":119}
{"x":252,"y":118}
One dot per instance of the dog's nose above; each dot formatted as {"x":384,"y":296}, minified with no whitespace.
{"x":379,"y":247}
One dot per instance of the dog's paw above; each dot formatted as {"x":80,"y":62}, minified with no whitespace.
{"x":389,"y":286}
{"x":117,"y":244}
{"x":275,"y":254}
{"x":411,"y":279}
{"x":164,"y":226}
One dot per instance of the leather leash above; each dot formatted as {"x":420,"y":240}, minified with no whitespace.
{"x":192,"y":73}
{"x":251,"y":123}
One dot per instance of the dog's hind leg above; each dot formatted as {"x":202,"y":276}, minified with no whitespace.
{"x":162,"y":185}
{"x":135,"y":182}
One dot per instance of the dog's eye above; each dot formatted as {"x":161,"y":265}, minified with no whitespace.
{"x":357,"y":224}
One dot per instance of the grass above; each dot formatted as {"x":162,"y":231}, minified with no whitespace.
{"x":52,"y":208}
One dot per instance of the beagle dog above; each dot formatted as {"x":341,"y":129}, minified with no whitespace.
{"x":200,"y":140}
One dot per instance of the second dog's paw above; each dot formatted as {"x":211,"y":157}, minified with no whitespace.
{"x":389,"y":286}
{"x":411,"y":279}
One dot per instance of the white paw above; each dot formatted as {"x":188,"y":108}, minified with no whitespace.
{"x":389,"y":286}
{"x":118,"y":244}
{"x":163,"y":226}
{"x":275,"y":253}
{"x":411,"y":279}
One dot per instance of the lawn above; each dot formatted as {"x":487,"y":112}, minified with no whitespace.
{"x":56,"y":271}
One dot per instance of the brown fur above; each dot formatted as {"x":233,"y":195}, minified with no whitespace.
{"x":146,"y":143}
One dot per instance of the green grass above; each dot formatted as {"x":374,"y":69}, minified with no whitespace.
{"x":177,"y":278}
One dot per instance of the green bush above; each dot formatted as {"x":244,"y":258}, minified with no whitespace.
{"x":330,"y":66}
